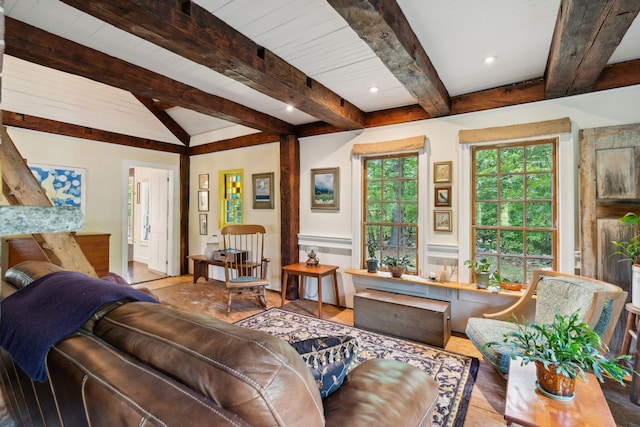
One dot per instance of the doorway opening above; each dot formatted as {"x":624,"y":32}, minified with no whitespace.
{"x":148,"y":236}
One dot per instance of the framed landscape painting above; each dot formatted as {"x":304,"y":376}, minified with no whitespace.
{"x":325,"y":185}
{"x":263,"y":190}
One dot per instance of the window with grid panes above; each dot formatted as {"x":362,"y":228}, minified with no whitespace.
{"x":514,"y":208}
{"x":390,"y":214}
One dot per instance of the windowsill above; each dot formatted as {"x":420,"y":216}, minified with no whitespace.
{"x":416,"y":280}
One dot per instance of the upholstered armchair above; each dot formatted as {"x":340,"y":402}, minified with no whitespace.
{"x":600,"y":305}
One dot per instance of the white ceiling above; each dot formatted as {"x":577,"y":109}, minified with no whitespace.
{"x":310,"y":35}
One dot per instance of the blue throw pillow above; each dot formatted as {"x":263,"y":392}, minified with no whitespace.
{"x":329,"y":359}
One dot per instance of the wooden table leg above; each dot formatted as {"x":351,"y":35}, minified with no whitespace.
{"x":283,"y":292}
{"x":335,"y":289}
{"x":320,"y":297}
{"x":635,"y":381}
{"x":200,"y":269}
{"x":626,"y":341}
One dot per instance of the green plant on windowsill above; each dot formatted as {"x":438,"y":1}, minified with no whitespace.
{"x":397,"y":264}
{"x":372,"y":261}
{"x":567,"y":347}
{"x":481,"y":271}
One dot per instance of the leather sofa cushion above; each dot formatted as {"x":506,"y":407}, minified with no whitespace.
{"x":22,"y":274}
{"x":95,"y":385}
{"x":255,"y":375}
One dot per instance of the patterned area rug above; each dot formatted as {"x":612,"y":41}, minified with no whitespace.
{"x":454,"y":373}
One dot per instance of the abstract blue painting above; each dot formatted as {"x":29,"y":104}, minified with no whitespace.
{"x":64,"y":186}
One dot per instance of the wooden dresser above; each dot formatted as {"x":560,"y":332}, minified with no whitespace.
{"x":95,"y":246}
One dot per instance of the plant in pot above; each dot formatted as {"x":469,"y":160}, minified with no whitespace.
{"x":563,"y":351}
{"x":481,"y":271}
{"x":372,"y":261}
{"x":630,"y":251}
{"x":396,"y":264}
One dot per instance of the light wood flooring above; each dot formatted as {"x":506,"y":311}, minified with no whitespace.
{"x":486,"y":406}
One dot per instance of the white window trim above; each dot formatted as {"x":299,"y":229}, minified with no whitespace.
{"x":566,"y":202}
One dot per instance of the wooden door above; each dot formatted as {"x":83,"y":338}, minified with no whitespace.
{"x":609,"y":187}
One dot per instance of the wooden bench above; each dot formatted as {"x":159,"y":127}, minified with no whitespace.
{"x":404,"y":316}
{"x":201,"y":266}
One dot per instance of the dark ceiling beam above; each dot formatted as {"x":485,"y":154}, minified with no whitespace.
{"x":231,"y":143}
{"x":192,"y":32}
{"x":587,"y":32}
{"x":383,"y":26}
{"x":39,"y":124}
{"x":34,"y":45}
{"x":165,"y":119}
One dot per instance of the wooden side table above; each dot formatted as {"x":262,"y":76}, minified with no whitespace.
{"x":527,"y":406}
{"x":301,"y":269}
{"x":201,"y":266}
{"x":633,"y":331}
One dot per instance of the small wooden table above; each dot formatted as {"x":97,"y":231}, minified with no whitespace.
{"x":301,"y":269}
{"x":201,"y":266}
{"x":527,"y":406}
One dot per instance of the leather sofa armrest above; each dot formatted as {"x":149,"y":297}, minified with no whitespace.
{"x":383,"y":392}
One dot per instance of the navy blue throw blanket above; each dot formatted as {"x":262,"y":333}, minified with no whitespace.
{"x":39,"y":315}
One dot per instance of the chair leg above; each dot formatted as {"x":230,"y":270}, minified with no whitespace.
{"x":229,"y":302}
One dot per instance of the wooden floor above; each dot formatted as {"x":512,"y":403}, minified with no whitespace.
{"x":486,"y":406}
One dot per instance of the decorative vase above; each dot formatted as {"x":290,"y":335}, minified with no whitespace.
{"x":482,"y":279}
{"x":556,"y":385}
{"x":635,"y":285}
{"x":372,"y":265}
{"x":396,"y":270}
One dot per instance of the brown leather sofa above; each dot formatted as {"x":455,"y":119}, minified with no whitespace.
{"x":146,"y":364}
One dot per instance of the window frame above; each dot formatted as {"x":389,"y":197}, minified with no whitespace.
{"x":553,"y":229}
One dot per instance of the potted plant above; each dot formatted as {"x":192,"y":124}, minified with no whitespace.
{"x":372,"y":261}
{"x":480,"y":269}
{"x":563,"y":351}
{"x":396,"y":264}
{"x":630,"y":251}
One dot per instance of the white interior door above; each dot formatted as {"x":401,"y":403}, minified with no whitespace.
{"x":158,"y":221}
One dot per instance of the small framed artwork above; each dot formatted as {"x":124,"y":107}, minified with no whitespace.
{"x":203,"y":181}
{"x":203,"y":225}
{"x":325,"y":188}
{"x":442,"y":196}
{"x":203,"y":201}
{"x":442,"y":220}
{"x":262,"y":190}
{"x":442,"y":172}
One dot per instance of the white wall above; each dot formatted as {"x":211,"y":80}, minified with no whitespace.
{"x":615,"y":107}
{"x":253,"y":160}
{"x":105,"y":178}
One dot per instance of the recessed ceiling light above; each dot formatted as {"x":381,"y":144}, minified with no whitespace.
{"x":289,"y":107}
{"x":490,"y":59}
{"x":374,"y":89}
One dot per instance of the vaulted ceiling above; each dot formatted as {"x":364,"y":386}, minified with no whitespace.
{"x":207,"y":75}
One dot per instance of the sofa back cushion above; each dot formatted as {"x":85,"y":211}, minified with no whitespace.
{"x":255,"y":375}
{"x":22,"y":274}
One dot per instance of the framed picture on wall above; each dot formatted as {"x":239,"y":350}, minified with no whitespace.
{"x":204,"y":225}
{"x":203,"y":201}
{"x":325,"y":188}
{"x":442,"y":220}
{"x":442,"y":172}
{"x":203,"y":181}
{"x":64,"y":186}
{"x":442,"y":196}
{"x":262,"y":190}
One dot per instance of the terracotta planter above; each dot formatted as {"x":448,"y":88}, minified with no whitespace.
{"x":396,"y":270}
{"x":556,"y":385}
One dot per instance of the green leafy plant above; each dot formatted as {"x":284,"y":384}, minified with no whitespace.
{"x":630,"y":250}
{"x":393,"y":261}
{"x":371,"y":248}
{"x":481,"y":266}
{"x":568,"y":344}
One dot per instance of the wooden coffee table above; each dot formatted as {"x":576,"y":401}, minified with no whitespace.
{"x":527,"y":406}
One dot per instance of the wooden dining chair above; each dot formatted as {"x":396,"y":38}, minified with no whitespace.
{"x":245,"y":266}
